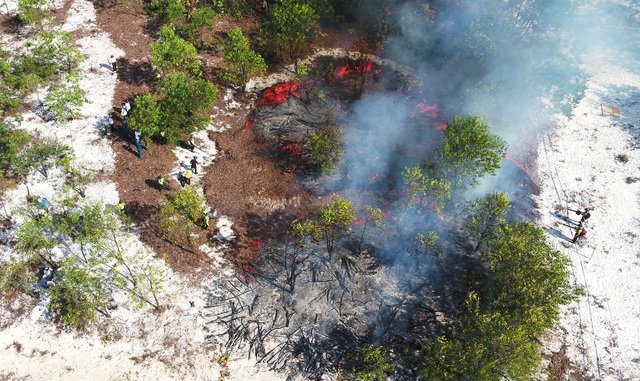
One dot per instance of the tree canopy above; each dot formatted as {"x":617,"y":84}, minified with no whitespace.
{"x":242,"y":62}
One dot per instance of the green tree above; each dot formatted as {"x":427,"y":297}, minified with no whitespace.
{"x":324,"y":149}
{"x":290,"y":29}
{"x":35,"y":238}
{"x":197,"y":26}
{"x":181,"y":214}
{"x":242,"y":62}
{"x":495,"y":337}
{"x":172,"y":54}
{"x":486,"y":214}
{"x":33,"y":12}
{"x":77,"y":293}
{"x":333,"y":219}
{"x":138,"y":274}
{"x":369,"y":364}
{"x":184,"y":105}
{"x":527,"y":278}
{"x":11,"y":141}
{"x":146,"y":115}
{"x":41,"y":156}
{"x":9,"y":95}
{"x":469,"y":151}
{"x":483,"y":347}
{"x":424,"y":187}
{"x":17,"y":276}
{"x":167,"y":11}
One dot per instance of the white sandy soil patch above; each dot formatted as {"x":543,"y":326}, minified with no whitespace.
{"x":592,"y":160}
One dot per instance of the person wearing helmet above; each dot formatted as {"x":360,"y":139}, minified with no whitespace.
{"x":580,"y":232}
{"x":585,"y":215}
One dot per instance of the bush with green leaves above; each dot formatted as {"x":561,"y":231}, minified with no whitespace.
{"x":167,"y":11}
{"x":424,"y":188}
{"x":48,"y":53}
{"x":17,"y":277}
{"x":33,"y":12}
{"x":41,"y":156}
{"x":369,"y":364}
{"x":12,"y":140}
{"x":182,"y":108}
{"x":172,"y":54}
{"x":146,"y":115}
{"x":324,"y":149}
{"x":242,"y":63}
{"x":181,"y":215}
{"x":334,"y":218}
{"x":65,"y":98}
{"x":469,"y":151}
{"x":184,"y":105}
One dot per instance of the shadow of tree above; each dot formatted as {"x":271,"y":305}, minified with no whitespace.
{"x":136,"y":73}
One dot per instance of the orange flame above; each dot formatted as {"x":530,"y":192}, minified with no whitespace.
{"x":360,"y":67}
{"x":277,"y":94}
{"x":535,"y":186}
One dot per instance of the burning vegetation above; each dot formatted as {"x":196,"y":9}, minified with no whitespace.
{"x":374,"y":264}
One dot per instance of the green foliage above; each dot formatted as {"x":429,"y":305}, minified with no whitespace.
{"x":77,"y":293}
{"x":184,"y":105}
{"x":33,"y":12}
{"x":370,"y":364}
{"x":242,"y":62}
{"x":88,"y":223}
{"x":189,"y":23}
{"x":291,"y":27}
{"x":470,"y":151}
{"x":300,"y":231}
{"x":425,"y":188}
{"x":486,"y":213}
{"x":41,"y":156}
{"x":137,"y":274}
{"x":146,"y":115}
{"x":77,"y":179}
{"x":11,"y":140}
{"x":9,"y":95}
{"x":196,"y":25}
{"x":167,"y":11}
{"x":49,"y":53}
{"x":65,"y":99}
{"x":16,"y":277}
{"x":172,"y":54}
{"x":429,"y":240}
{"x":495,"y":337}
{"x":34,"y":237}
{"x":528,"y":279}
{"x":181,"y":213}
{"x":324,"y":149}
{"x":333,"y":218}
{"x":484,"y":347}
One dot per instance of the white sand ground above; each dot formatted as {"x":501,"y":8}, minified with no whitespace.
{"x":580,"y":166}
{"x":577,"y":168}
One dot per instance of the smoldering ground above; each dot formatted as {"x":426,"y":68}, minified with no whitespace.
{"x":305,"y":309}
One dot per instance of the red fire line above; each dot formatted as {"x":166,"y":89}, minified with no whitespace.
{"x":533,"y":183}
